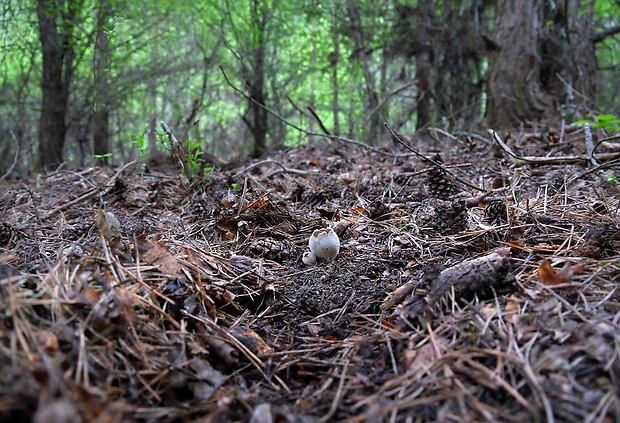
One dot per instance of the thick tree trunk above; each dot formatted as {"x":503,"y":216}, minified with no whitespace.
{"x":423,"y":96}
{"x":58,"y":58}
{"x":538,"y":61}
{"x":515,"y":91}
{"x":424,"y":14}
{"x":580,"y":53}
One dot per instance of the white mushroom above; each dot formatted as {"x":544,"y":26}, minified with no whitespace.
{"x":324,"y":243}
{"x":309,"y":258}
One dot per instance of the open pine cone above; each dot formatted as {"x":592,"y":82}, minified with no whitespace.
{"x":440,"y":183}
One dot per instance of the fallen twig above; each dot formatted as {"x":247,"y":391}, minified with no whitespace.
{"x":523,"y":160}
{"x":91,"y":192}
{"x":305,"y":131}
{"x":431,"y":161}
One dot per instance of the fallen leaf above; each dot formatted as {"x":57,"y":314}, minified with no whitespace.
{"x":511,"y":310}
{"x":314,"y":328}
{"x":157,"y":254}
{"x":251,"y":340}
{"x":548,"y":275}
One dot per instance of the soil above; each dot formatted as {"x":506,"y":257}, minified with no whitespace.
{"x":469,"y":288}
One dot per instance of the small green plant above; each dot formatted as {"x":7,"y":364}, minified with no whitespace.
{"x":162,"y":140}
{"x":141,"y":142}
{"x":193,"y":154}
{"x":606,"y":121}
{"x":611,"y":178}
{"x":103,"y":156}
{"x":234,"y":186}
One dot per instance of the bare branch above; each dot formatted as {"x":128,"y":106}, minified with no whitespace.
{"x":609,"y":32}
{"x":313,"y":133}
{"x":8,"y":172}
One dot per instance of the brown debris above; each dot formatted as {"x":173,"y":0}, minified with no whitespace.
{"x":479,"y":277}
{"x":499,"y":303}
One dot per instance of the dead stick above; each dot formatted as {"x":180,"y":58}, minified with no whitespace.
{"x":305,"y":131}
{"x":522,"y":160}
{"x":178,"y":151}
{"x":433,"y":162}
{"x":318,"y":119}
{"x":108,"y":186}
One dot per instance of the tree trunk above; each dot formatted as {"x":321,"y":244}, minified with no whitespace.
{"x":334,"y":61}
{"x":360,"y":49}
{"x":523,"y":83}
{"x":423,"y":15}
{"x":580,"y":53}
{"x":101,"y":115}
{"x":58,"y":54}
{"x":259,"y":115}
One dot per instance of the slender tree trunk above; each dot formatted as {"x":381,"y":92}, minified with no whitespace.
{"x":313,"y":64}
{"x":257,"y":82}
{"x":423,"y":65}
{"x":56,"y":34}
{"x":360,"y":48}
{"x":334,"y":60}
{"x":101,"y":116}
{"x":577,"y":33}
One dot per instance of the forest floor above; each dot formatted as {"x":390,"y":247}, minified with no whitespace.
{"x":471,"y":289}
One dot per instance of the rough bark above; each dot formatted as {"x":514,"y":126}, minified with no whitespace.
{"x":445,"y":41}
{"x":539,"y":61}
{"x":56,"y":35}
{"x":580,"y":52}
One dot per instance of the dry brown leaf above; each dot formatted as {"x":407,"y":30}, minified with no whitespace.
{"x":157,"y":254}
{"x":566,"y":272}
{"x":548,"y":275}
{"x":511,"y":310}
{"x":48,"y":342}
{"x":251,"y":340}
{"x":422,"y":357}
{"x":313,"y":328}
{"x":87,"y":297}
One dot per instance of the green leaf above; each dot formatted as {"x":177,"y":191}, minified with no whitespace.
{"x":103,"y":156}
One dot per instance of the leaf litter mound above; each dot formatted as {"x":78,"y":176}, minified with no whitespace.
{"x":445,"y":303}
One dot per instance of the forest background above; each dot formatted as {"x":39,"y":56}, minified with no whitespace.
{"x":85,"y":81}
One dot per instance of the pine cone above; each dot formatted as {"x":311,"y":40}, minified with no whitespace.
{"x":495,"y":210}
{"x":6,"y":233}
{"x":440,"y":183}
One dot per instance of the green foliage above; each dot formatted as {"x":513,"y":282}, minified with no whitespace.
{"x":607,"y":121}
{"x":611,"y":178}
{"x":164,"y":59}
{"x":141,"y":142}
{"x":194,"y":152}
